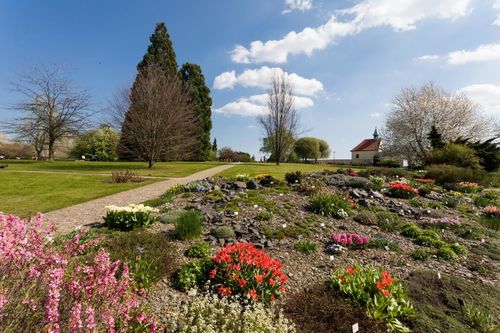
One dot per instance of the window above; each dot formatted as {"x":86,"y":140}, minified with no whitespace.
{"x":357,"y":155}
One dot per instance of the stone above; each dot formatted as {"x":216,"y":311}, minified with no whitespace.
{"x":240,"y":185}
{"x":377,"y":195}
{"x":363,"y":203}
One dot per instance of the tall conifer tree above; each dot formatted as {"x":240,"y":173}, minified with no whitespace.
{"x":199,"y":96}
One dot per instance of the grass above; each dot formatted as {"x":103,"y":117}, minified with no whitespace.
{"x":41,"y":186}
{"x":25,"y":194}
{"x":253,"y":169}
{"x":189,"y":225}
{"x":440,"y":301}
{"x":160,"y":169}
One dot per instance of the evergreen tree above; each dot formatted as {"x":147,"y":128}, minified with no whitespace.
{"x":214,"y":145}
{"x":199,"y":96}
{"x":160,"y":54}
{"x":435,"y":138}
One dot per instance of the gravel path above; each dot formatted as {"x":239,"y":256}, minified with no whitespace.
{"x":91,"y":212}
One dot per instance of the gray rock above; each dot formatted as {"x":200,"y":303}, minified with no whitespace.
{"x":240,"y":185}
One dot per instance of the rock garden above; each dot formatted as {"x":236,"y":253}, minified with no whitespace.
{"x":371,"y":251}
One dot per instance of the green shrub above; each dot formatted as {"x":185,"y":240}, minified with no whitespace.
{"x":215,"y":196}
{"x":264,"y":215}
{"x":459,"y":249}
{"x":416,"y":202}
{"x":411,"y":230}
{"x":388,"y":221}
{"x":305,"y":246}
{"x":467,"y":231}
{"x":454,"y":154}
{"x":273,"y":233}
{"x":366,"y":218}
{"x":487,"y":199}
{"x":198,"y":186}
{"x":150,"y":256}
{"x":446,"y":253}
{"x":193,"y":274}
{"x":419,"y":254}
{"x":225,"y":232}
{"x":170,"y":217}
{"x":378,"y":182}
{"x":429,"y":241}
{"x":199,"y":250}
{"x":130,"y":217}
{"x":189,"y":225}
{"x":267,"y":180}
{"x":480,"y":318}
{"x":447,"y":174}
{"x":450,"y":202}
{"x":330,"y":205}
{"x":294,"y":177}
{"x":382,"y":243}
{"x":491,"y":222}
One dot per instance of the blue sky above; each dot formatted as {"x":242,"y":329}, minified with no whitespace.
{"x":346,"y":58}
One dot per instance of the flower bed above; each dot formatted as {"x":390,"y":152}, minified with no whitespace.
{"x":381,"y":294}
{"x":241,"y":269}
{"x":464,"y":187}
{"x":423,"y":180}
{"x":129,"y":217}
{"x":443,"y":221}
{"x":45,"y":288}
{"x":350,"y":240}
{"x":491,"y":211}
{"x":403,"y":191}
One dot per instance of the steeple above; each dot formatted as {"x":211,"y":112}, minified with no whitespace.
{"x":375,"y":134}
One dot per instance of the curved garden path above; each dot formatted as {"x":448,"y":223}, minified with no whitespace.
{"x":91,"y":212}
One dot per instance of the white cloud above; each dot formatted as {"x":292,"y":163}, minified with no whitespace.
{"x":400,"y":15}
{"x":375,"y":115}
{"x":484,"y":52}
{"x":262,"y":77}
{"x":487,"y":95}
{"x":427,"y":57}
{"x":496,"y":6}
{"x":255,"y":105}
{"x":302,"y":5}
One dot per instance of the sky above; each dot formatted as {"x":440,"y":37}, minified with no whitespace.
{"x":346,"y":59}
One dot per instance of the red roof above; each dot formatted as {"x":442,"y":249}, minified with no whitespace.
{"x":368,"y":145}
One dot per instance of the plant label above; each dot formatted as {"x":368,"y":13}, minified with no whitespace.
{"x":439,"y":276}
{"x":355,"y":328}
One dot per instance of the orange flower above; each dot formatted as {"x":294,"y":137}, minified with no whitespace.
{"x":212,"y":273}
{"x":223,"y":291}
{"x":259,"y":278}
{"x":350,"y":270}
{"x":253,"y":294}
{"x":386,"y":293}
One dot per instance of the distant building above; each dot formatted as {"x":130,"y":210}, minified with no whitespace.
{"x":364,"y":152}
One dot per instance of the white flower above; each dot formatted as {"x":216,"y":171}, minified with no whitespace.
{"x":235,"y":213}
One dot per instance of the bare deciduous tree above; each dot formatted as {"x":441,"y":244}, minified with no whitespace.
{"x":281,"y":122}
{"x":416,"y":110}
{"x":54,"y":108}
{"x":160,"y":123}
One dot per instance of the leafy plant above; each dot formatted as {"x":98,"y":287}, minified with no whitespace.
{"x":366,"y":218}
{"x":199,"y":250}
{"x":479,"y":318}
{"x":381,"y":294}
{"x":411,"y":230}
{"x":193,"y":274}
{"x":189,"y":225}
{"x":388,"y":221}
{"x":420,"y":254}
{"x":294,"y":177}
{"x":225,"y":232}
{"x":330,"y":205}
{"x":264,"y":215}
{"x":125,"y":176}
{"x":305,"y":246}
{"x":383,"y":243}
{"x":129,"y":217}
{"x":266,"y":180}
{"x":241,"y":269}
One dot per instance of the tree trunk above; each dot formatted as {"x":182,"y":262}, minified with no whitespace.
{"x":51,"y":151}
{"x":150,"y":163}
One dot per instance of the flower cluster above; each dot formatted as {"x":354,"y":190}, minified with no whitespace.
{"x":383,"y":296}
{"x":400,"y":190}
{"x":53,"y":289}
{"x":465,"y":187}
{"x":241,"y":269}
{"x":350,"y":240}
{"x":423,"y":180}
{"x":492,"y":211}
{"x":129,"y":217}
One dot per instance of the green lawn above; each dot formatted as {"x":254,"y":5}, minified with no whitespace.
{"x":25,"y":194}
{"x":253,"y":169}
{"x":160,"y":169}
{"x":66,"y":183}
